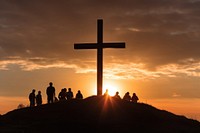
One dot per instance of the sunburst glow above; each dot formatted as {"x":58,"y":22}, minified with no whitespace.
{"x":111,"y":89}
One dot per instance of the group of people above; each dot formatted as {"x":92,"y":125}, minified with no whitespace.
{"x":67,"y":95}
{"x":36,"y":100}
{"x":134,"y":98}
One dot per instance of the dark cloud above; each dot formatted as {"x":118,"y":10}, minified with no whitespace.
{"x":156,"y":32}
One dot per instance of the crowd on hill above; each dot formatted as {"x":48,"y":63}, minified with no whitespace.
{"x":36,"y":100}
{"x":127,"y":97}
{"x":64,"y":94}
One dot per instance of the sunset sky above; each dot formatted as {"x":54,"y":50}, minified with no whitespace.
{"x":161,"y":61}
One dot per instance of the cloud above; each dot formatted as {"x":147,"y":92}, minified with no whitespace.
{"x":157,"y":33}
{"x":112,"y":70}
{"x":31,"y":64}
{"x":176,"y":95}
{"x":139,"y":71}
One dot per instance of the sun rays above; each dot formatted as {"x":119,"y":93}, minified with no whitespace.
{"x":112,"y":88}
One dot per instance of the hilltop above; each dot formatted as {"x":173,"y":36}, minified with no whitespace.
{"x":96,"y":114}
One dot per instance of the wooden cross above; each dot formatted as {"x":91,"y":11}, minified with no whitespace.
{"x":99,"y":46}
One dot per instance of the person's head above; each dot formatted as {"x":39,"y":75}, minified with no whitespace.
{"x":79,"y":91}
{"x":69,"y":89}
{"x":117,"y":93}
{"x":39,"y":92}
{"x":33,"y":90}
{"x":50,"y":83}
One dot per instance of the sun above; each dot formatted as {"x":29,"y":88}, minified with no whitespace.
{"x":112,"y":89}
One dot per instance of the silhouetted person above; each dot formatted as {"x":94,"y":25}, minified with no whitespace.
{"x":127,"y":97}
{"x":50,"y":91}
{"x":39,"y":98}
{"x":79,"y":95}
{"x":63,"y":94}
{"x":70,"y":94}
{"x":32,"y":98}
{"x":106,"y":93}
{"x":117,"y":96}
{"x":134,"y":98}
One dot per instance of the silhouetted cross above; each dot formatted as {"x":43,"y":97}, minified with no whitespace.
{"x":99,"y":46}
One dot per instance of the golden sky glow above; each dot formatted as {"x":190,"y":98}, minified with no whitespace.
{"x":161,"y":59}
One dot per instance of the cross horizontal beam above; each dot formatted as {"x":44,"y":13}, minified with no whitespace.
{"x":96,"y":45}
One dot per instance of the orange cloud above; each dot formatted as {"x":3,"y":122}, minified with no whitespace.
{"x":137,"y":71}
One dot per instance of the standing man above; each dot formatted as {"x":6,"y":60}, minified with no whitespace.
{"x":70,"y":94}
{"x":50,"y":93}
{"x":32,"y":98}
{"x":39,"y":98}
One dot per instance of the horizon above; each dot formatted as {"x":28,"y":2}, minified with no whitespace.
{"x":161,"y":61}
{"x":177,"y":108}
{"x":96,"y":113}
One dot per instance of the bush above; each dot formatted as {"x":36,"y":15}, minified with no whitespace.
{"x":20,"y":106}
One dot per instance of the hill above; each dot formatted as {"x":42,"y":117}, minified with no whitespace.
{"x":97,"y":115}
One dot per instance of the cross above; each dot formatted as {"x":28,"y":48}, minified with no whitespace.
{"x":99,"y":46}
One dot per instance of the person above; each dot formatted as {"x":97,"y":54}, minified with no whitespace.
{"x":39,"y":98}
{"x":127,"y":97}
{"x":62,"y":95}
{"x":32,"y":98}
{"x":134,"y":98}
{"x":70,"y":94}
{"x":50,"y":91}
{"x":79,"y":95}
{"x":106,"y":93}
{"x":117,"y":96}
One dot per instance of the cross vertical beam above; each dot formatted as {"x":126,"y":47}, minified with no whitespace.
{"x":99,"y":56}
